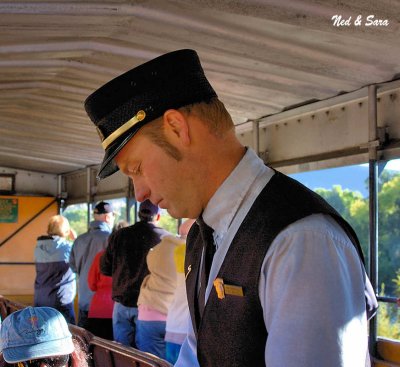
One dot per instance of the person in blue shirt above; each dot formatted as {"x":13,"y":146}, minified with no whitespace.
{"x":85,"y":248}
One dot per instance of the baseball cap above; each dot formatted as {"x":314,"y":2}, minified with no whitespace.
{"x":148,"y":208}
{"x":34,"y":332}
{"x":125,"y":104}
{"x":102,"y":208}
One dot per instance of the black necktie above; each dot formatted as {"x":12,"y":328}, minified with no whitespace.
{"x":206,"y":233}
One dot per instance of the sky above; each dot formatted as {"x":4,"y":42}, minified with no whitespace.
{"x":394,"y":165}
{"x":349,"y":177}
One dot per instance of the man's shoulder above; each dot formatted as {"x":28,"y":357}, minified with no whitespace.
{"x":162,"y":232}
{"x":128,"y":233}
{"x":89,"y":235}
{"x":130,"y":229}
{"x":81,"y":238}
{"x":171,"y":240}
{"x":318,"y":224}
{"x":136,"y":227}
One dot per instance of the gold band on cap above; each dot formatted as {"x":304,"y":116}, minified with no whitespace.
{"x":123,"y":128}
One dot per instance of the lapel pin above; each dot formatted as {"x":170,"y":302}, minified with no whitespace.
{"x":219,"y":287}
{"x":189,"y":269}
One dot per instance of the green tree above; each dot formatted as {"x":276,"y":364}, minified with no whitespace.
{"x":168,"y":223}
{"x":389,"y":231}
{"x":353,"y":208}
{"x":389,"y":315}
{"x":77,"y":217}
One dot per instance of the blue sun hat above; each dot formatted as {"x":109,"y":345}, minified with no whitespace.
{"x":34,"y":332}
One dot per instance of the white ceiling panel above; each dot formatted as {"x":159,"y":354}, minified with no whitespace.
{"x":261,"y":57}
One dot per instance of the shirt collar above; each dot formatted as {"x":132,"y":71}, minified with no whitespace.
{"x":224,"y":204}
{"x":98,"y":224}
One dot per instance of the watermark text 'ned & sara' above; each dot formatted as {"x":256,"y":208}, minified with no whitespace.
{"x":369,"y":21}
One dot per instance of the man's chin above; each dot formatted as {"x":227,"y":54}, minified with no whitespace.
{"x":176,"y":212}
{"x":180,"y":213}
{"x":173,"y":213}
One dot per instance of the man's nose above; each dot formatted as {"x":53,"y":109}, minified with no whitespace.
{"x":141,"y":190}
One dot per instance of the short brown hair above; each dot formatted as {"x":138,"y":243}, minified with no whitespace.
{"x":58,"y":226}
{"x":212,"y":113}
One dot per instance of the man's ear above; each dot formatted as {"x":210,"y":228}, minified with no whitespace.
{"x":176,"y":126}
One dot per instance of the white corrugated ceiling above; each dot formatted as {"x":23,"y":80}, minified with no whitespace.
{"x":260,"y":56}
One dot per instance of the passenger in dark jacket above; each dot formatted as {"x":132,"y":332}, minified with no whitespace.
{"x":55,"y":281}
{"x":125,"y":261}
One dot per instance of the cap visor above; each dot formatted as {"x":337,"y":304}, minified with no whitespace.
{"x":46,"y":349}
{"x":108,"y":166}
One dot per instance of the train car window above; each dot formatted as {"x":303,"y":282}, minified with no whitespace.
{"x":346,"y":189}
{"x":119,"y":206}
{"x":166,"y":221}
{"x":389,"y":248}
{"x":77,"y":217}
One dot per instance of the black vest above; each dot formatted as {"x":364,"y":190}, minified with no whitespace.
{"x":231,"y":331}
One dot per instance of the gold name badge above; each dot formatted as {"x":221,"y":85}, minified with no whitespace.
{"x":233,"y":290}
{"x":223,"y":289}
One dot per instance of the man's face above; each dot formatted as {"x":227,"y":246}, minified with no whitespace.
{"x":159,"y":177}
{"x":110,"y":219}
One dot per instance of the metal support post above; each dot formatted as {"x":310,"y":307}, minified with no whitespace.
{"x":256,"y":137}
{"x":88,"y":193}
{"x":373,"y":207}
